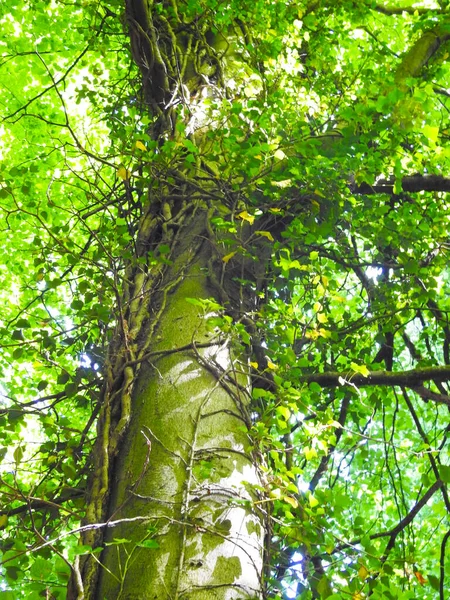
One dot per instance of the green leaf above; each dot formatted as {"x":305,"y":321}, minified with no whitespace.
{"x":7,"y":595}
{"x":22,"y":324}
{"x":63,"y":378}
{"x":431,"y":133}
{"x":444,"y":473}
{"x":324,"y":587}
{"x":315,"y":387}
{"x":284,"y":412}
{"x":42,"y":385}
{"x":118,"y":541}
{"x":18,"y":454}
{"x":433,"y":581}
{"x":41,"y":568}
{"x":151,"y":544}
{"x":258,"y":393}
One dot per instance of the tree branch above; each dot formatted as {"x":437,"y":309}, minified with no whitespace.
{"x":394,"y":10}
{"x":427,"y":394}
{"x":421,"y":52}
{"x":412,"y":183}
{"x":412,"y":379}
{"x":401,"y":525}
{"x":326,"y":458}
{"x":408,"y":519}
{"x":41,"y":504}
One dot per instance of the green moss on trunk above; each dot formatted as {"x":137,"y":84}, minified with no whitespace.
{"x":182,"y":472}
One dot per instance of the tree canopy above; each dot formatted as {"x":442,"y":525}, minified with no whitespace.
{"x":314,"y":137}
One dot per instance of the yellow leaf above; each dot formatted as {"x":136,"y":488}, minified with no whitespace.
{"x":292,"y":501}
{"x":228,"y":257}
{"x":360,"y":369}
{"x":431,"y":133}
{"x":123,"y":173}
{"x":3,"y":521}
{"x":309,"y":452}
{"x":275,"y":493}
{"x":140,"y":146}
{"x":322,"y":318}
{"x":271,"y":365}
{"x":363,"y":572}
{"x":312,"y":335}
{"x":324,"y":333}
{"x":313,"y":502}
{"x":284,"y":412}
{"x":266,"y":234}
{"x":275,"y":210}
{"x":254,"y":365}
{"x":246,"y":217}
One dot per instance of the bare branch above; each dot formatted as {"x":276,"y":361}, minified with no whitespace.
{"x":427,"y":394}
{"x":412,"y":183}
{"x":412,"y":379}
{"x":393,"y":533}
{"x":399,"y":10}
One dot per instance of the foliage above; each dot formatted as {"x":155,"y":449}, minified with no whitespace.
{"x":302,"y":142}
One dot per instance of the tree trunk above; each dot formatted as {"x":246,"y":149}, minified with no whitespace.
{"x":180,"y":514}
{"x":173,"y":468}
{"x":184,"y":466}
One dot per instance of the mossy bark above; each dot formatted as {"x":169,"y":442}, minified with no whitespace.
{"x":184,"y":469}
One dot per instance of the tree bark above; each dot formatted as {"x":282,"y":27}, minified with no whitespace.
{"x":173,"y":490}
{"x":412,"y":183}
{"x":412,"y":379}
{"x":173,"y":467}
{"x":174,"y":483}
{"x":185,"y":465}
